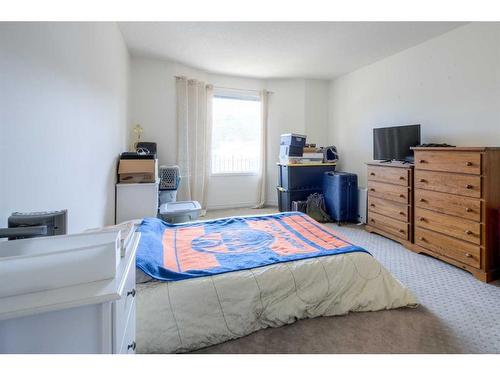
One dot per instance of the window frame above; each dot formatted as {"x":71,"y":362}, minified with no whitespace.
{"x":237,"y":94}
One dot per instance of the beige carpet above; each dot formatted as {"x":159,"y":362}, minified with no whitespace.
{"x":458,"y":314}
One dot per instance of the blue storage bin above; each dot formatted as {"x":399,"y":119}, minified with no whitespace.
{"x":292,"y":139}
{"x":340,"y":190}
{"x":302,"y":176}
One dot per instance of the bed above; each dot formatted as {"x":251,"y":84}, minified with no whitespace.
{"x":204,"y":283}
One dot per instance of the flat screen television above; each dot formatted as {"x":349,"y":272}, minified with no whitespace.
{"x":394,"y":143}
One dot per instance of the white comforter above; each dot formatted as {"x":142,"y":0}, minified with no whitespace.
{"x":187,"y":315}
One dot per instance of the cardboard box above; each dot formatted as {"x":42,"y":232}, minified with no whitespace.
{"x":137,"y":170}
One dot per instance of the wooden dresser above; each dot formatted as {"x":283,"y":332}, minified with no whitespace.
{"x":390,"y":200}
{"x":457,"y":196}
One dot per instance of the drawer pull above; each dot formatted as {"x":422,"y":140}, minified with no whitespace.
{"x":468,"y":255}
{"x":468,"y":209}
{"x":401,"y":230}
{"x":372,"y":174}
{"x":422,"y":239}
{"x":422,"y":161}
{"x":402,"y":196}
{"x":468,"y":186}
{"x":372,"y":204}
{"x":402,"y":213}
{"x":422,"y":200}
{"x":131,"y":293}
{"x":372,"y":189}
{"x":469,"y":164}
{"x":423,"y":180}
{"x":421,"y":218}
{"x":402,"y":178}
{"x":132,"y":346}
{"x":371,"y":220}
{"x":468,"y":232}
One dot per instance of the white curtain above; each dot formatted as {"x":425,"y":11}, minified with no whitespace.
{"x":261,"y":199}
{"x":194,"y":124}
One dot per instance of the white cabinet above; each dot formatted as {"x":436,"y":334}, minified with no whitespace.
{"x":96,"y":317}
{"x":136,"y":201}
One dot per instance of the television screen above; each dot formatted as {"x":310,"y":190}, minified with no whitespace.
{"x":394,"y":143}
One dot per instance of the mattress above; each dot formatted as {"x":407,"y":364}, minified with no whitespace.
{"x":181,"y":316}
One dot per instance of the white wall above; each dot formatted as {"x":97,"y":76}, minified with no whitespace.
{"x":63,"y":114}
{"x":153,"y":106}
{"x":450,"y":85}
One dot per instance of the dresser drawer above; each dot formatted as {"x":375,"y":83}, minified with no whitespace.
{"x":128,"y":345}
{"x":398,"y":176}
{"x":468,"y":208}
{"x":394,"y":227}
{"x":123,"y":307}
{"x":449,"y":161}
{"x":453,"y":226}
{"x":388,"y":208}
{"x":459,"y":250}
{"x":466,"y":185}
{"x":387,"y":191}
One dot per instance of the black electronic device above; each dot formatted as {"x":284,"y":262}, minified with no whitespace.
{"x":135,"y":155}
{"x":393,"y":143}
{"x":35,"y":224}
{"x":146,"y":148}
{"x":435,"y":145}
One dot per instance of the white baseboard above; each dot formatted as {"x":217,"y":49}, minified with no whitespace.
{"x":239,"y":205}
{"x":230,"y":205}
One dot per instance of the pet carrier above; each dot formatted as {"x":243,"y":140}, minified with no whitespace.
{"x":169,"y":177}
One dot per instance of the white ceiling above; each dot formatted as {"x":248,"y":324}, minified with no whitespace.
{"x":277,"y":49}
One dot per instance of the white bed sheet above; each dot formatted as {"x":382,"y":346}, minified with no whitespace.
{"x":191,"y":314}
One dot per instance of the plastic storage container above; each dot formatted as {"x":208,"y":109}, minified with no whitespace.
{"x":292,"y":139}
{"x":180,"y":212}
{"x":340,"y":190}
{"x":286,"y":151}
{"x":286,"y":197}
{"x":291,"y":177}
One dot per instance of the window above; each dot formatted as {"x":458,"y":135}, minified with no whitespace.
{"x":236,"y":131}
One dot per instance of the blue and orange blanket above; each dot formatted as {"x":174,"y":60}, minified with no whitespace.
{"x":173,"y":252}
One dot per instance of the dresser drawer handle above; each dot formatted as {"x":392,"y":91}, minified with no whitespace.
{"x":131,"y":293}
{"x":423,"y":180}
{"x":372,"y":189}
{"x":422,"y":200}
{"x":422,"y":219}
{"x":402,"y":178}
{"x":422,"y":239}
{"x":468,"y":186}
{"x":372,"y":174}
{"x":372,"y":204}
{"x":401,"y":230}
{"x":468,"y":255}
{"x":469,"y":164}
{"x":468,"y":232}
{"x":402,"y":196}
{"x":402,"y":213}
{"x":132,"y":346}
{"x":468,"y":209}
{"x":422,"y":161}
{"x":372,"y":220}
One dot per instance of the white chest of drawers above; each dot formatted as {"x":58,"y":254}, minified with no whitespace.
{"x":96,"y":317}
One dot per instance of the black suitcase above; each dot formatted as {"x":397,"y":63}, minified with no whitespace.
{"x":341,"y":196}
